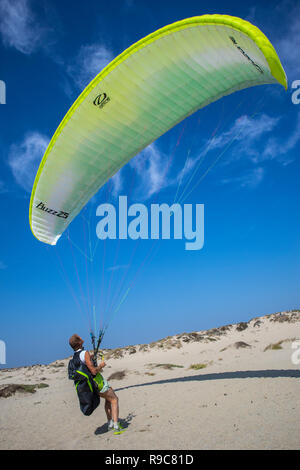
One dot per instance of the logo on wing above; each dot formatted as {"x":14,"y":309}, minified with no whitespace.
{"x":61,"y":214}
{"x":246,"y":55}
{"x":101,"y":100}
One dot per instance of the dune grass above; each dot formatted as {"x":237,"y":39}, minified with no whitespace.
{"x":197,"y":366}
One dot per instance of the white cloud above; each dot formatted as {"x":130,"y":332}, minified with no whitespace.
{"x":90,"y":60}
{"x":24,"y":158}
{"x":152,"y":169}
{"x":257,"y":139}
{"x":240,"y":141}
{"x":19,"y":27}
{"x":249,"y":180}
{"x":245,"y":139}
{"x":117,"y":183}
{"x":250,"y":139}
{"x":189,"y":165}
{"x":245,"y":132}
{"x":281,"y":149}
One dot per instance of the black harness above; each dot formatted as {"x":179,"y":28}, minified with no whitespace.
{"x":87,"y":390}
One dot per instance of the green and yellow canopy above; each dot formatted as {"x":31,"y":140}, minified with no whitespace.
{"x":140,"y":95}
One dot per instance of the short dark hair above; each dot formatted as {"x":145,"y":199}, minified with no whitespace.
{"x":75,"y":342}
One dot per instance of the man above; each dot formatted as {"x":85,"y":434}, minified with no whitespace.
{"x":111,"y":405}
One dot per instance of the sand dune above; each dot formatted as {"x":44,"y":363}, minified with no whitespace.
{"x":234,"y":387}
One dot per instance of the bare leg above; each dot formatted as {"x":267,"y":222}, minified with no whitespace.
{"x":107,"y":408}
{"x":111,"y":404}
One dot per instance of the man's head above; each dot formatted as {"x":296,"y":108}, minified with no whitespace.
{"x":76,"y":342}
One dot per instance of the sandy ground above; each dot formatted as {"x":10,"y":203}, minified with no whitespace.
{"x":241,"y":397}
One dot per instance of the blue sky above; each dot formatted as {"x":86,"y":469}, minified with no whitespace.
{"x":146,"y":290}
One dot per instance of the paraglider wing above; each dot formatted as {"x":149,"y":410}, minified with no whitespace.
{"x":139,"y":96}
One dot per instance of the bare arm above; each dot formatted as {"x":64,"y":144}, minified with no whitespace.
{"x":94,"y":370}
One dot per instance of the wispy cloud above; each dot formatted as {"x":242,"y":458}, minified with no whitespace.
{"x":152,"y":168}
{"x":117,"y":182}
{"x":245,"y":135}
{"x":249,"y":138}
{"x":19,"y":28}
{"x":249,"y":180}
{"x":281,"y":149}
{"x":241,"y":140}
{"x":253,"y":140}
{"x":89,"y":61}
{"x":24,"y":158}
